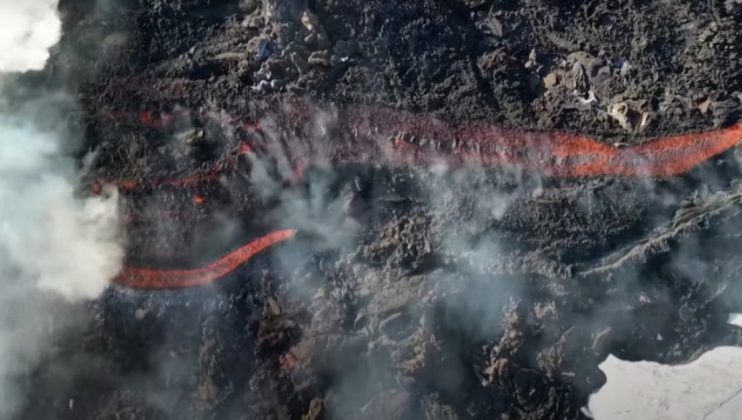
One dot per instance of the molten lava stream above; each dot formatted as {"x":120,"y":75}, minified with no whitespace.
{"x":364,"y":134}
{"x":379,"y":136}
{"x":663,"y":157}
{"x":553,"y":154}
{"x":201,"y":177}
{"x":364,"y":137}
{"x":147,"y":278}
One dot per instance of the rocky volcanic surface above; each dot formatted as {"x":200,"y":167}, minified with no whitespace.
{"x":409,"y":293}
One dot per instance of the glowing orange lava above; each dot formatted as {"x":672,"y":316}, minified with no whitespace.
{"x":147,"y":278}
{"x":380,"y":136}
{"x":199,"y":177}
{"x":377,"y":136}
{"x":557,"y":154}
{"x":576,"y":156}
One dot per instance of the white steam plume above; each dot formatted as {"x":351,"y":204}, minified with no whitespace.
{"x":27,"y":29}
{"x":63,"y":245}
{"x":55,"y":249}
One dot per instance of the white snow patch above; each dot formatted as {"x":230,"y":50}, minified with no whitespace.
{"x":708,"y":388}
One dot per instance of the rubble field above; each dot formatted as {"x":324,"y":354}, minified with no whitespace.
{"x":413,"y":291}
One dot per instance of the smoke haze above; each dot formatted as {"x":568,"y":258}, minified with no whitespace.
{"x":28,"y":29}
{"x":55,"y":249}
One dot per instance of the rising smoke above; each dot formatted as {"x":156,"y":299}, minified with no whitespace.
{"x":56,"y":250}
{"x":28,"y":29}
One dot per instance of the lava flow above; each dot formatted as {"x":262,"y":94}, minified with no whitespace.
{"x":377,"y":136}
{"x":200,"y":177}
{"x":146,"y":278}
{"x":302,"y":134}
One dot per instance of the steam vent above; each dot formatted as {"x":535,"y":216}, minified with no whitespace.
{"x":370,"y":209}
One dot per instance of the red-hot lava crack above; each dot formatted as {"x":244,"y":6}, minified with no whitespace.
{"x":415,"y":140}
{"x":199,"y":177}
{"x":302,"y":135}
{"x":147,"y":278}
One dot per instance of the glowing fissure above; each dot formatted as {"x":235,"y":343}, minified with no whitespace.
{"x":147,"y":278}
{"x":386,"y":137}
{"x":199,"y":177}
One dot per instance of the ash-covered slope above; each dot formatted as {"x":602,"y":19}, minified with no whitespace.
{"x":410,"y":292}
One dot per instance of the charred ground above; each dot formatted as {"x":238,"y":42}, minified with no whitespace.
{"x":473,"y":294}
